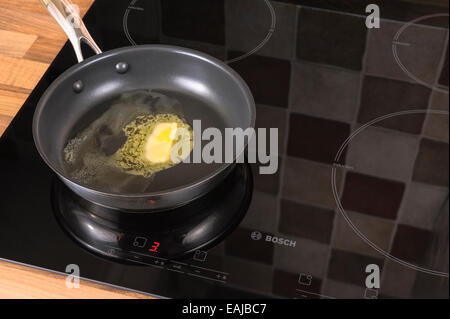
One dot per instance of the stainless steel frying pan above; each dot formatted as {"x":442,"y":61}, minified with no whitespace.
{"x":208,"y":89}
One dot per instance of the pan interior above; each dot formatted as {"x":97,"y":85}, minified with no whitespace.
{"x":204,"y":89}
{"x":101,"y":140}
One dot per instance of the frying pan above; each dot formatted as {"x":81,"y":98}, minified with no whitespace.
{"x":207,"y":89}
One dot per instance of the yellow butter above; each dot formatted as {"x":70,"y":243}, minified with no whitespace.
{"x":159,"y":144}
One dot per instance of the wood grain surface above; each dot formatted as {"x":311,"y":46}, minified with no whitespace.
{"x":21,"y":282}
{"x":29,"y":41}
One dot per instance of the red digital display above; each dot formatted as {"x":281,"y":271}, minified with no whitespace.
{"x":154,"y":247}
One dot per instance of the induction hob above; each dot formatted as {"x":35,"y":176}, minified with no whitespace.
{"x":363,"y":156}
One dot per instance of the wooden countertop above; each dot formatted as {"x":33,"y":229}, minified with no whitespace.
{"x":21,"y":282}
{"x":29,"y":41}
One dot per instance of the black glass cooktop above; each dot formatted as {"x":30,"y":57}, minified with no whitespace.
{"x":358,"y":207}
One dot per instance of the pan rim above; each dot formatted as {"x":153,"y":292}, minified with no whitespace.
{"x":107,"y":54}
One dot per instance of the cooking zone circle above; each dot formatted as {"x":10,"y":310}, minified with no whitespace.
{"x":339,"y":158}
{"x":134,"y":6}
{"x":401,"y":43}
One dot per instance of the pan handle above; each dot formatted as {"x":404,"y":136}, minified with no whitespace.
{"x":68,"y":17}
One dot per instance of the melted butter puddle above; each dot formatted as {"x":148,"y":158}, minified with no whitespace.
{"x":149,"y":145}
{"x":128,"y":142}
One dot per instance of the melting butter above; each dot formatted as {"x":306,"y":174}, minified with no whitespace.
{"x":151,"y":138}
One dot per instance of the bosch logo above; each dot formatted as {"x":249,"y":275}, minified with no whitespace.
{"x":256,"y":235}
{"x":281,"y":241}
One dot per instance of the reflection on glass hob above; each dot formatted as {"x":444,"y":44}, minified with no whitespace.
{"x":363,"y":159}
{"x":144,"y":237}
